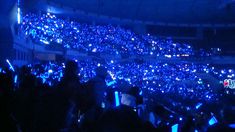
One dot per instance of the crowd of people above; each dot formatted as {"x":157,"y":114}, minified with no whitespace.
{"x":109,"y":95}
{"x":166,"y":92}
{"x":154,"y":77}
{"x":114,"y":40}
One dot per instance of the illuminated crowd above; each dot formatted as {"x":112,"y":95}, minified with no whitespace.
{"x":179,"y":86}
{"x":179,"y":79}
{"x":48,"y":29}
{"x":176,"y":92}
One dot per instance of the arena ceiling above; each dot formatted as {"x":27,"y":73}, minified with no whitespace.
{"x":159,"y":11}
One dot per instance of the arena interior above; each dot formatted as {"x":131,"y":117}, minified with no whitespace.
{"x":117,"y":65}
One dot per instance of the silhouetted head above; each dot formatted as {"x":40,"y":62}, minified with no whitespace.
{"x":25,"y":70}
{"x":220,"y":128}
{"x":134,"y":91}
{"x":71,"y":68}
{"x":6,"y":83}
{"x":101,"y":72}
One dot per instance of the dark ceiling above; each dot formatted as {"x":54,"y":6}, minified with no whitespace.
{"x":166,"y":11}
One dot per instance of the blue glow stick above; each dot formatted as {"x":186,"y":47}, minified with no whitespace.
{"x":212,"y":121}
{"x":11,"y":67}
{"x":111,"y":83}
{"x":61,"y":74}
{"x":15,"y":79}
{"x":50,"y":84}
{"x":198,"y":105}
{"x":18,"y":15}
{"x":0,"y":70}
{"x":141,"y":92}
{"x":116,"y":98}
{"x":34,"y":73}
{"x":232,"y":126}
{"x":43,"y":79}
{"x":174,"y":128}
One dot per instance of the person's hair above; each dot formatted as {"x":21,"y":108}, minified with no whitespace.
{"x":101,"y":71}
{"x":71,"y":68}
